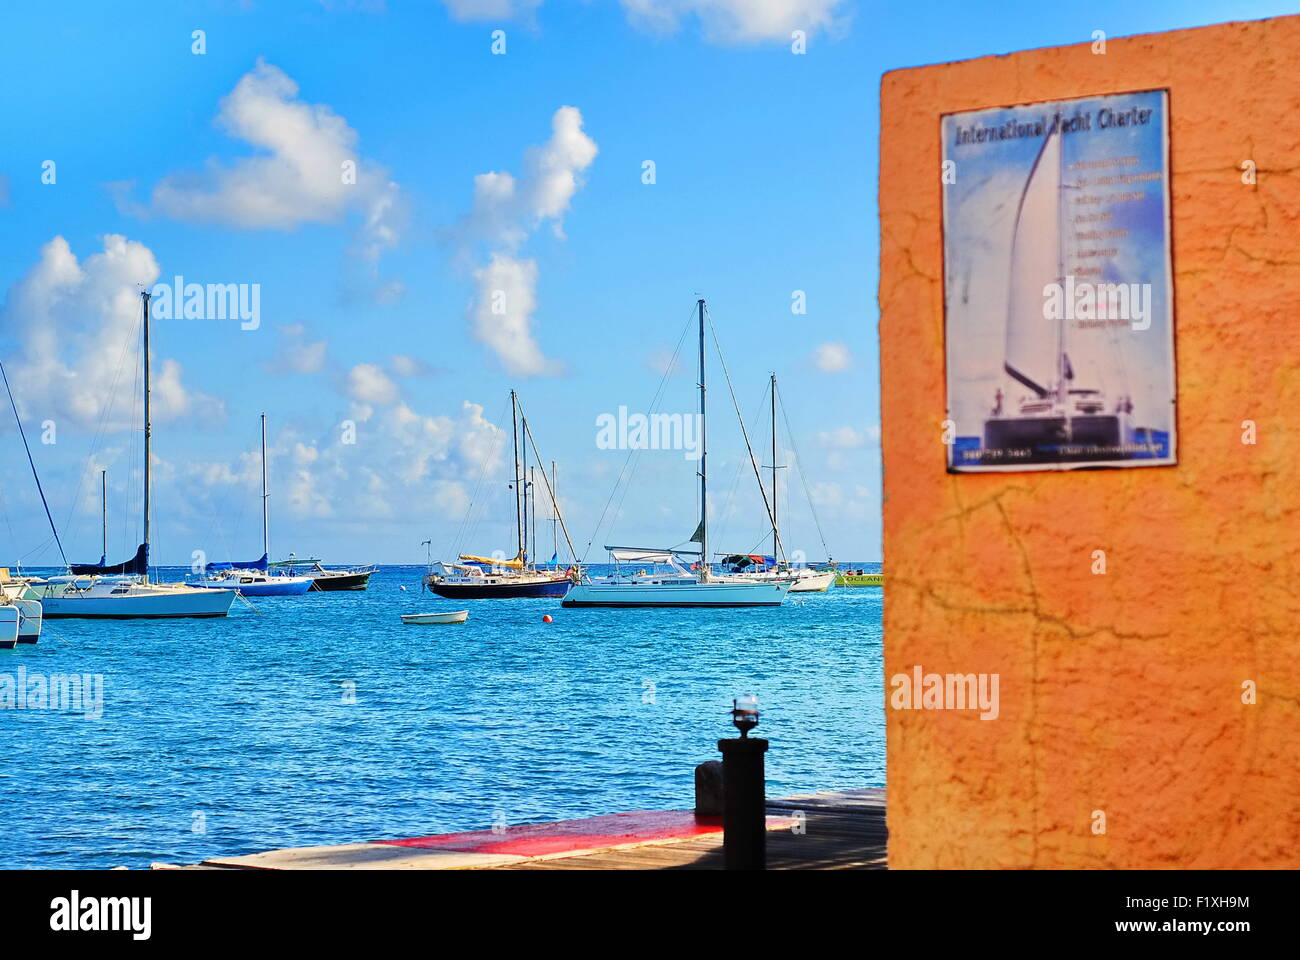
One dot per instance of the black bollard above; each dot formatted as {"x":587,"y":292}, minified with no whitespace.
{"x":744,"y":804}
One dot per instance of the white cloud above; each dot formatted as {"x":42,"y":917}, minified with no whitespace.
{"x":403,"y":365}
{"x":369,"y":384}
{"x":298,"y":354}
{"x":832,"y":357}
{"x":737,"y":21}
{"x":403,"y":466}
{"x":723,"y":21}
{"x":845,"y":437}
{"x":464,"y":10}
{"x":77,"y":326}
{"x":840,"y":437}
{"x":505,"y":213}
{"x":502,"y":310}
{"x":308,"y":170}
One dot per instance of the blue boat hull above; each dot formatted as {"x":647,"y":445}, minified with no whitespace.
{"x":501,"y":591}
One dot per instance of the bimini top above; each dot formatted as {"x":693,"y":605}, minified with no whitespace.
{"x":647,"y":554}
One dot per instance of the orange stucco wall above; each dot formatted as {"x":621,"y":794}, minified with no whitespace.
{"x":1119,"y":692}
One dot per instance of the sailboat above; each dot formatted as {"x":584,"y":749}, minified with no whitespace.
{"x":124,"y":591}
{"x":20,"y":618}
{"x":472,"y":577}
{"x":254,"y":579}
{"x":681,"y":587}
{"x":8,"y":626}
{"x":806,"y":579}
{"x":327,"y":578}
{"x":1056,"y":420}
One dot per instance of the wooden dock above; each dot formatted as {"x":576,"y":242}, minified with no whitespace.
{"x":841,"y":830}
{"x":830,"y":830}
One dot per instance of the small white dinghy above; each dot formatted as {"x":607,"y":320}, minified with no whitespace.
{"x":458,"y":616}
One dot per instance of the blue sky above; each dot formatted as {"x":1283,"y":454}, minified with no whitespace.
{"x":374,"y":296}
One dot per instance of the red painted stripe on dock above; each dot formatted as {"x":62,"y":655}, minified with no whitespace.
{"x":539,"y":839}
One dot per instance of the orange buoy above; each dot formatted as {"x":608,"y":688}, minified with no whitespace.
{"x":548,"y":619}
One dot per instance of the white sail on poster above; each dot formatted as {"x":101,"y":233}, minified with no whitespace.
{"x":1058,"y":293}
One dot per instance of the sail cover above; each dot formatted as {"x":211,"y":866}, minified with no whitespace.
{"x":516,"y":564}
{"x":236,"y":565}
{"x":137,"y":565}
{"x":1033,"y":345}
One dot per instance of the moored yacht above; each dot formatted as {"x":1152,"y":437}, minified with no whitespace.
{"x":672,"y":585}
{"x":766,"y":569}
{"x":123,"y":591}
{"x":471,"y":577}
{"x":28,"y":613}
{"x":761,"y":568}
{"x":126,"y":598}
{"x":254,"y":579}
{"x":681,"y":587}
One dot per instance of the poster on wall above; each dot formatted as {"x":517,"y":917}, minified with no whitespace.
{"x":1058,"y":288}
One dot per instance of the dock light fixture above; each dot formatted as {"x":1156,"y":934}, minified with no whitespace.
{"x":744,"y":713}
{"x":744,"y":805}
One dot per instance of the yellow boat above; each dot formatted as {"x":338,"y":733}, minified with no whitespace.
{"x":860,"y":579}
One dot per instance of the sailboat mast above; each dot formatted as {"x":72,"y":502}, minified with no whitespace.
{"x":555,"y":533}
{"x":523,"y":480}
{"x":532,"y":492}
{"x":103,"y":514}
{"x":519,"y":522}
{"x":704,"y":455}
{"x":148,"y":435}
{"x":266,"y":527}
{"x":1062,"y":363}
{"x":776,"y":536}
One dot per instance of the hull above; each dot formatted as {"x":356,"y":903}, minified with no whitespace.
{"x":8,"y":627}
{"x":807,"y":581}
{"x":860,"y":580}
{"x":289,"y":587}
{"x":502,"y":590}
{"x":814,"y":583}
{"x":342,"y":581}
{"x":162,"y":604}
{"x":1046,"y":439}
{"x":30,"y":617}
{"x":677,"y":593}
{"x":459,"y":616}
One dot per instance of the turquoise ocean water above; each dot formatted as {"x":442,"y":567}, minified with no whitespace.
{"x":326,"y":720}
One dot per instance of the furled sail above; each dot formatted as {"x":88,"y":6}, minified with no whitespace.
{"x":1033,"y":348}
{"x":516,"y":564}
{"x":137,"y":565}
{"x":236,"y":565}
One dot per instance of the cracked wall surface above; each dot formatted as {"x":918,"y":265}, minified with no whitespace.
{"x":1120,"y":692}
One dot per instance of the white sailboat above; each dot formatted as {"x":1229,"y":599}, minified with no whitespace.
{"x":20,"y":619}
{"x":254,"y":579}
{"x":1056,"y":420}
{"x":777,"y":567}
{"x":681,"y":587}
{"x":8,"y":626}
{"x":124,"y":591}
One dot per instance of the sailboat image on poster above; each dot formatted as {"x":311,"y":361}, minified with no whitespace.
{"x":1057,"y":419}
